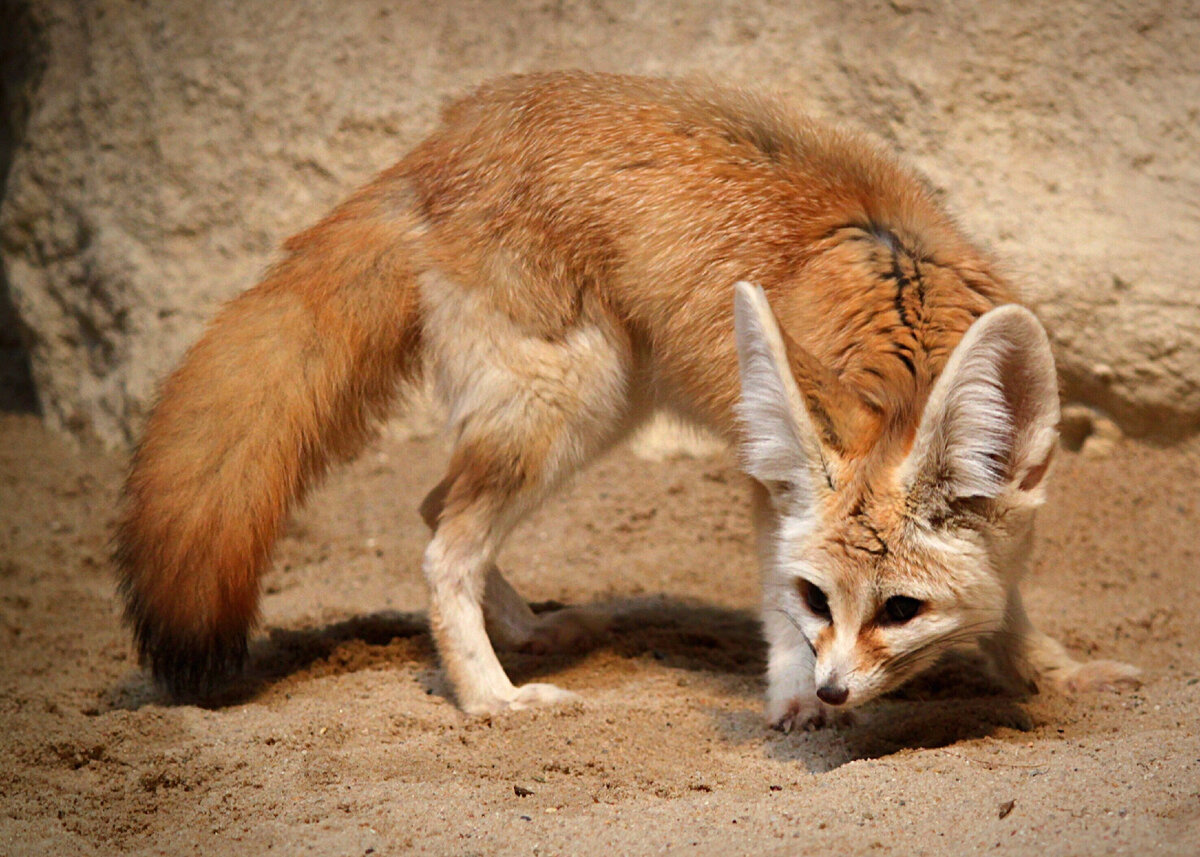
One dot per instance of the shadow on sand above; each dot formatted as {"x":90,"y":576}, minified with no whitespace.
{"x":952,"y":702}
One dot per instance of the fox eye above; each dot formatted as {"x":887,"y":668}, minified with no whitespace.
{"x":815,"y":599}
{"x":900,"y":608}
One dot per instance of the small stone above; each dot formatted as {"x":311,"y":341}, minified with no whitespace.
{"x":1075,"y":426}
{"x":1103,"y":440}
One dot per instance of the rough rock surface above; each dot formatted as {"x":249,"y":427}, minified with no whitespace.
{"x":169,"y":147}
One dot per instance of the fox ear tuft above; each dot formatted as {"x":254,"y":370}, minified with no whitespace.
{"x":990,"y":425}
{"x":780,"y":444}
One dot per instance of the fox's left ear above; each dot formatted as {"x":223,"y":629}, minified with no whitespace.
{"x":797,"y":416}
{"x":990,"y":425}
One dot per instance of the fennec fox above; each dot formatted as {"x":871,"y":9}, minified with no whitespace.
{"x":560,"y":256}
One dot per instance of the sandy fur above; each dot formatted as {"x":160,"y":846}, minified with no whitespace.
{"x":559,"y":256}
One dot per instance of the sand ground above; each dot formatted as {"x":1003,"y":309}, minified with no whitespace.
{"x":340,"y":741}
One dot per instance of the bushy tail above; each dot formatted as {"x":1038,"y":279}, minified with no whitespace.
{"x":288,"y":377}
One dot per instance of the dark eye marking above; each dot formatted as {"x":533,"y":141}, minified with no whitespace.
{"x":814,"y":599}
{"x":781,"y":487}
{"x":899,"y":609}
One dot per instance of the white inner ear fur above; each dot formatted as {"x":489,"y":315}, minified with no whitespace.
{"x":990,"y":424}
{"x":780,"y":444}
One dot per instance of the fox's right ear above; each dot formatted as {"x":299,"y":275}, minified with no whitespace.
{"x":781,"y":447}
{"x":989,"y":427}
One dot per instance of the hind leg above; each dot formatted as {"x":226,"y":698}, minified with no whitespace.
{"x":510,"y":623}
{"x":528,"y":409}
{"x":456,"y":566}
{"x":512,"y":626}
{"x":489,"y":491}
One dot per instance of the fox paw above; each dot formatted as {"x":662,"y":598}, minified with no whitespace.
{"x":525,"y":696}
{"x":808,"y":715}
{"x":1099,"y":675}
{"x":563,"y":630}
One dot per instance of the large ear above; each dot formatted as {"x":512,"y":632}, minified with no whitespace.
{"x":781,"y":446}
{"x":990,"y":424}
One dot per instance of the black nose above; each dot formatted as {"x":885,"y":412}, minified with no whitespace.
{"x":832,"y":694}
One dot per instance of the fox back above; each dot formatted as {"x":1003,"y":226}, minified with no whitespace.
{"x":654,"y":197}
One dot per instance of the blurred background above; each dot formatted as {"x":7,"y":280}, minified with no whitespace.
{"x":154,"y":155}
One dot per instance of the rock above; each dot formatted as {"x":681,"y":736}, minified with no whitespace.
{"x":156,"y":154}
{"x":1076,"y":426}
{"x":1086,"y":430}
{"x":1103,"y":439}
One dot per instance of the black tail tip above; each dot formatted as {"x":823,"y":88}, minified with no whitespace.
{"x":194,"y":671}
{"x":191,"y":668}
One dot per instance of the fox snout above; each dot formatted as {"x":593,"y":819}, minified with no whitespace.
{"x":832,"y":693}
{"x":838,"y":678}
{"x":853,"y":666}
{"x":833,"y":676}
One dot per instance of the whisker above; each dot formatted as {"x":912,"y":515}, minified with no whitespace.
{"x":795,"y":624}
{"x":952,"y":637}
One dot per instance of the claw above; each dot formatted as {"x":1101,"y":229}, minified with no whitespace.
{"x":1100,"y":675}
{"x":525,"y":696}
{"x":808,"y":715}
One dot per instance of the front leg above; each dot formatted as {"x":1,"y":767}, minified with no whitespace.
{"x":791,"y":690}
{"x":1024,"y":657}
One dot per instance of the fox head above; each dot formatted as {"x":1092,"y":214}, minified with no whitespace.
{"x":880,"y":556}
